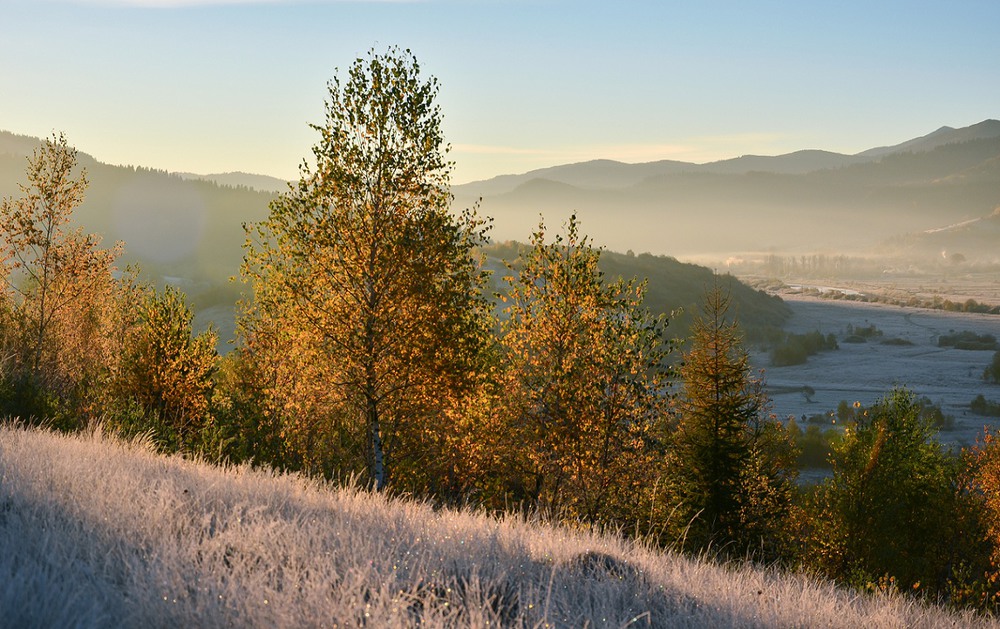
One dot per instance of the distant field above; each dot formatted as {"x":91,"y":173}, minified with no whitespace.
{"x":99,"y":533}
{"x":864,"y":372}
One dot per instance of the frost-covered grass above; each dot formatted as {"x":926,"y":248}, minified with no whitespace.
{"x":96,"y":532}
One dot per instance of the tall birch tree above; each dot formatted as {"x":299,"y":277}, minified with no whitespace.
{"x":362,"y":267}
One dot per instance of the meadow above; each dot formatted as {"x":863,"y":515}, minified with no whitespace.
{"x":99,"y":532}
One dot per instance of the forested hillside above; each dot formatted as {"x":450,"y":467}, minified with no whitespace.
{"x":171,"y":226}
{"x":673,"y":286}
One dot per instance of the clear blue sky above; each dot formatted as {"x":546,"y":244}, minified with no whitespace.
{"x":211,"y":86}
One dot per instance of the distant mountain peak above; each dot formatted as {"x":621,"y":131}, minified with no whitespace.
{"x":945,"y":135}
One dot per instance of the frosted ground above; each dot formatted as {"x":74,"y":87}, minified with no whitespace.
{"x":99,"y":533}
{"x":864,"y":372}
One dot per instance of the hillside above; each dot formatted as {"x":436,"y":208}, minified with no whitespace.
{"x":801,"y":202}
{"x":262,"y":183}
{"x":977,"y":239}
{"x":172,"y":226}
{"x":672,"y":286}
{"x":99,"y":533}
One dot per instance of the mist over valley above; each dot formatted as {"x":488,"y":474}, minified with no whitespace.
{"x":916,"y":224}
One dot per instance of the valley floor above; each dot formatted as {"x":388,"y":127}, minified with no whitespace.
{"x":866,"y":371}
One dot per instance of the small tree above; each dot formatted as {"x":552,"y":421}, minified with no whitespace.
{"x":583,"y":384}
{"x":57,"y":280}
{"x":363,"y":266}
{"x":734,"y":463}
{"x":992,"y":372}
{"x":166,"y":370}
{"x":889,"y":509}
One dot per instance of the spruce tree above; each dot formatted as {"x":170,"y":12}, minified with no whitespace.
{"x":733,"y":463}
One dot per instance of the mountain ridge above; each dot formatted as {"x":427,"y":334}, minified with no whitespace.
{"x":787,"y":163}
{"x":806,"y":201}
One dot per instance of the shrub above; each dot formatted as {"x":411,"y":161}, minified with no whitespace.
{"x":981,"y":406}
{"x":890,"y":508}
{"x":816,"y":446}
{"x":968,"y":341}
{"x":788,"y":354}
{"x":796,"y":348}
{"x":865,"y":332}
{"x":992,"y":372}
{"x":897,"y":342}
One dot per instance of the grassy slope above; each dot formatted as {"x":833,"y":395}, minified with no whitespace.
{"x":95,"y":532}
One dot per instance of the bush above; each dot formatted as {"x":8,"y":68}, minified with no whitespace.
{"x":992,"y":373}
{"x":796,"y":348}
{"x":865,"y":332}
{"x":933,"y":413}
{"x":981,"y":406}
{"x":816,"y":446}
{"x":788,"y":354}
{"x":897,"y":342}
{"x":968,"y":341}
{"x":889,"y":511}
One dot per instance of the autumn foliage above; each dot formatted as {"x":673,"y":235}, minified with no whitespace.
{"x":368,"y":347}
{"x":83,"y":341}
{"x":363,"y":270}
{"x":583,"y":378}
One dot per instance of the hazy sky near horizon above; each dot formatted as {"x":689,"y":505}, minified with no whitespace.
{"x":223,"y":85}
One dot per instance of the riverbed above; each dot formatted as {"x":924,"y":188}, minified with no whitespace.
{"x":863,"y":372}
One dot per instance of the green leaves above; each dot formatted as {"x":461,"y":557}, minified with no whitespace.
{"x":891,"y":502}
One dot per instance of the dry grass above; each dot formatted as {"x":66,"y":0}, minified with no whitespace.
{"x":95,"y":532}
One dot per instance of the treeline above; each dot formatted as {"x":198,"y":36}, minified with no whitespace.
{"x":795,"y":349}
{"x":914,"y":301}
{"x":370,"y":349}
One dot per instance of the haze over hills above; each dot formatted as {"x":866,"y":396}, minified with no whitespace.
{"x":977,"y":238}
{"x":173,"y":226}
{"x":604,"y":173}
{"x":188,"y":228}
{"x":803,"y":201}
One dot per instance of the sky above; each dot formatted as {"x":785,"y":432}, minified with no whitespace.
{"x":212,"y":86}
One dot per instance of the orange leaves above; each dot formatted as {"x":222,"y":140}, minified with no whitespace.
{"x":165,"y":369}
{"x":984,"y":463}
{"x":365,"y":274}
{"x":583,"y":377}
{"x":58,"y":281}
